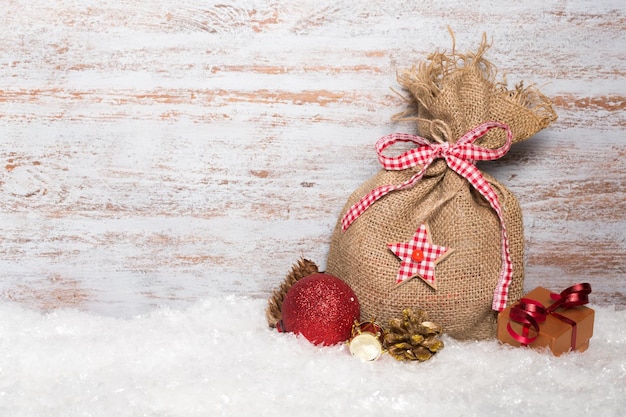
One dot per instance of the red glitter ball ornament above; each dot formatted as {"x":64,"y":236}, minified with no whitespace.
{"x":322,"y":308}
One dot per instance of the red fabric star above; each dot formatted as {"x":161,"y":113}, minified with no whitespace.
{"x":419,"y":257}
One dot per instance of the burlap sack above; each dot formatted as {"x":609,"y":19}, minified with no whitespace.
{"x":451,"y":94}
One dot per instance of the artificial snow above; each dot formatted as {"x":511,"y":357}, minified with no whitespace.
{"x":219,"y":358}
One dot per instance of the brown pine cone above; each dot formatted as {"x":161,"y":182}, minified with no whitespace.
{"x":302,"y":269}
{"x":413,"y":337}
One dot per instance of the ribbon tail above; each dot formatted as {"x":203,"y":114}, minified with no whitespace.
{"x":501,"y":293}
{"x":473,"y":175}
{"x":370,"y":198}
{"x":363,"y":204}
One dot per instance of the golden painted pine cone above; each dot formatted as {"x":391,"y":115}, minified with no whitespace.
{"x":413,"y":337}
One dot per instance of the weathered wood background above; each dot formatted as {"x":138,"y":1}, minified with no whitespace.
{"x":157,"y":152}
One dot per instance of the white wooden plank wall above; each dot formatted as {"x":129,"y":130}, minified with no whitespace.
{"x":160,"y":152}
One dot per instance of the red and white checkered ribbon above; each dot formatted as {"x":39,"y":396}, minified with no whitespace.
{"x":460,"y":157}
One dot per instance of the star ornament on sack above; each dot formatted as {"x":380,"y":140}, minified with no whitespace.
{"x":419,"y":257}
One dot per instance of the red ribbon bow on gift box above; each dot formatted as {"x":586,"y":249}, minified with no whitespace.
{"x":460,"y":157}
{"x":529,"y":313}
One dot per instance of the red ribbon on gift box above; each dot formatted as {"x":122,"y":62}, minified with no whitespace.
{"x":529,"y":313}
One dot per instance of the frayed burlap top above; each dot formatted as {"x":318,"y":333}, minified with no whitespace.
{"x":450,"y":94}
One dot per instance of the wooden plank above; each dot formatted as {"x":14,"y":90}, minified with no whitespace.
{"x":163,"y":153}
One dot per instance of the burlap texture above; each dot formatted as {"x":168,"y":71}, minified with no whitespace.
{"x":462,"y":91}
{"x":451,"y":94}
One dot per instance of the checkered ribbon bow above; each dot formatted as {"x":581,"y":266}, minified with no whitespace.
{"x":460,"y":157}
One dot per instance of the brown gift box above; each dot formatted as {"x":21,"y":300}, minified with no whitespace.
{"x":554,"y":333}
